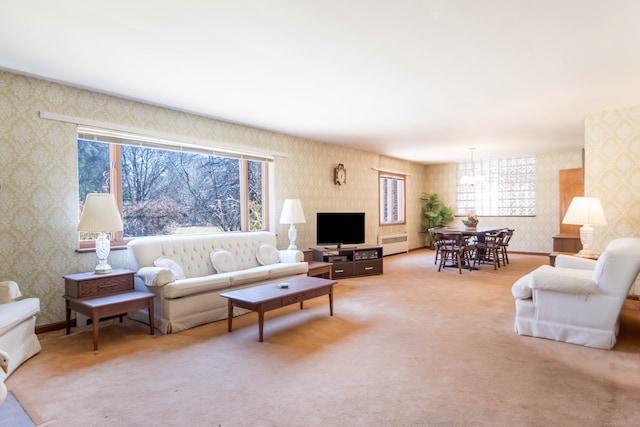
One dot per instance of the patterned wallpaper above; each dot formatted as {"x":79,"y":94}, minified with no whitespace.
{"x":612,"y":157}
{"x":38,"y":182}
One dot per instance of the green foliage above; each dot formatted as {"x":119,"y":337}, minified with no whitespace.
{"x":434,"y":214}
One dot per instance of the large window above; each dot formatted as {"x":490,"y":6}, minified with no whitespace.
{"x":392,"y":198}
{"x":505,"y":187}
{"x":164,"y":191}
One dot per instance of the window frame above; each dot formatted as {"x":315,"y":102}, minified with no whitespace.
{"x":401,"y":205}
{"x":118,"y":241}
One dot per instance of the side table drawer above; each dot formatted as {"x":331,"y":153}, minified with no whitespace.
{"x":89,"y":285}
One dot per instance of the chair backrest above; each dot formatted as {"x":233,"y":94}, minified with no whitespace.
{"x":618,"y":266}
{"x":508,"y":233}
{"x":450,"y":241}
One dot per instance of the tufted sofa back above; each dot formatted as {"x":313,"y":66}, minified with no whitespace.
{"x":192,"y":252}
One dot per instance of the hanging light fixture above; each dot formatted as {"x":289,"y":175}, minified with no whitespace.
{"x":473,"y":179}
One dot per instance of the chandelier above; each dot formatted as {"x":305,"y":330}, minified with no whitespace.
{"x":473,"y":179}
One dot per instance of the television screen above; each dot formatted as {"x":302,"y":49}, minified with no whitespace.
{"x":340,"y":228}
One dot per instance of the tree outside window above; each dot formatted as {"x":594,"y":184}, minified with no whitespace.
{"x":164,"y":192}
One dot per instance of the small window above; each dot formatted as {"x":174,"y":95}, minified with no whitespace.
{"x":392,"y":198}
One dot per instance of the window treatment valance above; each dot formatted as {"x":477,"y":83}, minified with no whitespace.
{"x":94,"y":130}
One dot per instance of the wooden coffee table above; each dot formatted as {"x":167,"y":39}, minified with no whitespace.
{"x":271,"y":296}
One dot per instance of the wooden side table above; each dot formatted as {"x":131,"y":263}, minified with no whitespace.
{"x":103,"y":295}
{"x":317,"y":268}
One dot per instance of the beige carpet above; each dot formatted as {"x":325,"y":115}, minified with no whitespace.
{"x":412,"y":347}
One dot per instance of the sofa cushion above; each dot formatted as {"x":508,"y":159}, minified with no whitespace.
{"x":267,"y":254}
{"x":169,"y":263}
{"x":223,"y":261}
{"x":287,"y":269}
{"x":251,"y":275}
{"x":195,"y":285}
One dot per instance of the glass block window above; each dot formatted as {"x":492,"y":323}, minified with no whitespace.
{"x":503,"y":187}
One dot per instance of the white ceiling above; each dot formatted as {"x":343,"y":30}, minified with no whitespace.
{"x":423,"y":80}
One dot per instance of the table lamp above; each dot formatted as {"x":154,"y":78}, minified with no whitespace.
{"x":100,"y":215}
{"x":585,"y":211}
{"x":292,"y":214}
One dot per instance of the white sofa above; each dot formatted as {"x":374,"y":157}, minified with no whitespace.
{"x":187,"y":273}
{"x":17,"y":326}
{"x":579,"y":300}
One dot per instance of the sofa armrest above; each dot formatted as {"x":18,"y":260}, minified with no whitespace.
{"x":291,"y":255}
{"x":570,"y":261}
{"x":9,"y":292}
{"x":156,"y":276}
{"x":561,"y":280}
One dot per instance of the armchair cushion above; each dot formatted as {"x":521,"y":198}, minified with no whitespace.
{"x":521,"y":289}
{"x":572,"y":261}
{"x":15,"y":313}
{"x":565,"y":280}
{"x":9,"y":291}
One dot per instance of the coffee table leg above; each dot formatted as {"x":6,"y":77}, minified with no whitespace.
{"x":260,"y":322}
{"x":229,"y":314}
{"x":331,"y":301}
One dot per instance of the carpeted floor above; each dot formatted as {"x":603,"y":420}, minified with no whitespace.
{"x":412,"y":347}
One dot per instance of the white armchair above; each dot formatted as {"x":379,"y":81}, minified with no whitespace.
{"x":579,"y":300}
{"x":17,"y":326}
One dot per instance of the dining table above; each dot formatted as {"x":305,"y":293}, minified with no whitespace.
{"x":478,"y":233}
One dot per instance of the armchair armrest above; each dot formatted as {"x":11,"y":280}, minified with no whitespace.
{"x":9,"y":291}
{"x":156,"y":276}
{"x":570,"y":261}
{"x":290,"y":255}
{"x":563,"y":280}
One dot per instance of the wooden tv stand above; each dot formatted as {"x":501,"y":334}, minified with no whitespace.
{"x":351,"y":261}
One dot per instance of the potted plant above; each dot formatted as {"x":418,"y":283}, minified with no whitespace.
{"x":434,"y":215}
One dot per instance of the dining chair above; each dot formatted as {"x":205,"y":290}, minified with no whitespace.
{"x":489,"y":250}
{"x":504,"y":244}
{"x":436,"y":244}
{"x":456,"y":249}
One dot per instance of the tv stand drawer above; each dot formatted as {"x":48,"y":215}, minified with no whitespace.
{"x":342,"y":269}
{"x":370,"y":267}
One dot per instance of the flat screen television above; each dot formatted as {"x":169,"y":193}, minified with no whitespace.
{"x":339,"y":228}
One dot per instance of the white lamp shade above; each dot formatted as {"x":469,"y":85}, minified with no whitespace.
{"x":585,"y":210}
{"x":100,"y":214}
{"x":292,"y":212}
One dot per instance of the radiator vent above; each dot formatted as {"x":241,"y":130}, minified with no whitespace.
{"x":393,"y":244}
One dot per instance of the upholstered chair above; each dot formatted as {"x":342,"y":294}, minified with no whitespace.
{"x":579,"y":300}
{"x":17,"y":326}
